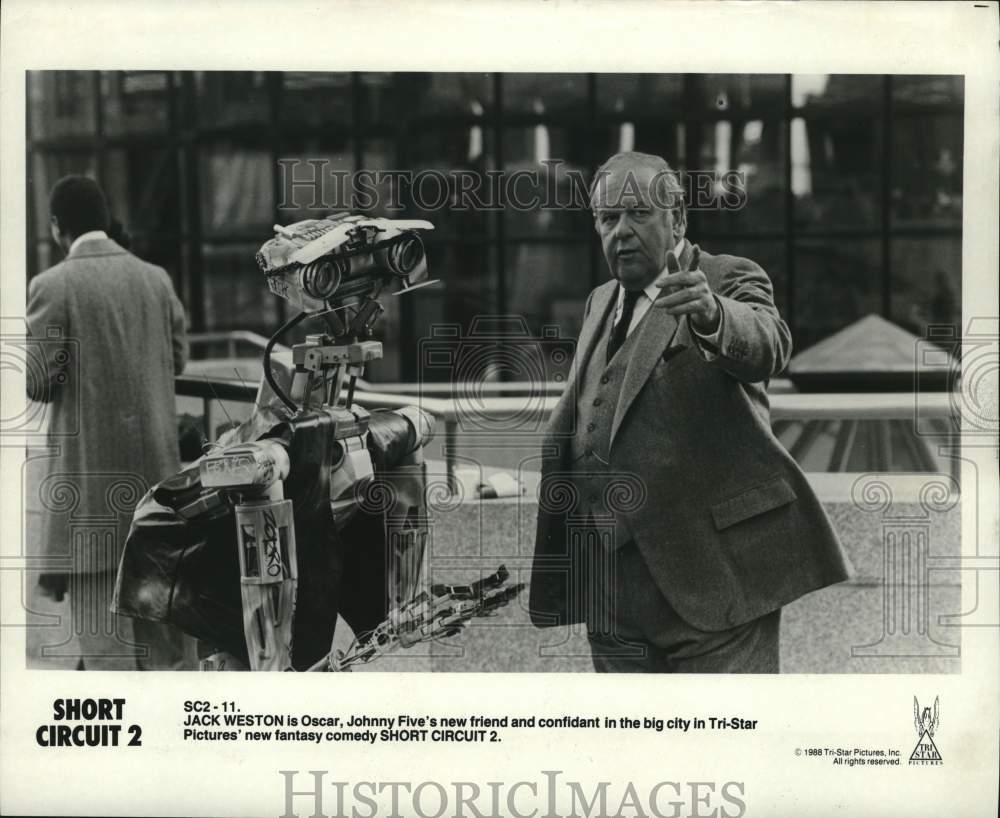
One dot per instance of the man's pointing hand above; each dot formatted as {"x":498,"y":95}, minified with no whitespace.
{"x":688,"y":293}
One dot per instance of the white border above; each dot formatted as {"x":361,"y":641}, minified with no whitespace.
{"x":168,"y":777}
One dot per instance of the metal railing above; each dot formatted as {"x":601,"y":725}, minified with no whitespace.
{"x":451,"y":411}
{"x":231,"y":339}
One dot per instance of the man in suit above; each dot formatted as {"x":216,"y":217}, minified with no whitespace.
{"x":671,"y":520}
{"x":109,"y":336}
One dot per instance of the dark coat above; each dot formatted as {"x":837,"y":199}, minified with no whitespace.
{"x":729,"y":528}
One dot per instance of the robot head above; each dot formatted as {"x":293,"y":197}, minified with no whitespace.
{"x":322,"y":264}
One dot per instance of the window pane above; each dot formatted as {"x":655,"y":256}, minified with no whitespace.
{"x":377,"y":194}
{"x":317,"y":98}
{"x":849,"y":93}
{"x":316,"y":177}
{"x":927,"y":171}
{"x":739,"y":93}
{"x":46,"y":254}
{"x":61,"y":103}
{"x":548,"y":284}
{"x":379,"y":92}
{"x":769,"y":254}
{"x":548,"y":202}
{"x":471,"y":301}
{"x":235,"y":294}
{"x":923,"y":91}
{"x":460,"y":157}
{"x":226,"y":98}
{"x":836,"y":283}
{"x":926,"y":282}
{"x":142,"y":187}
{"x":666,"y":140}
{"x":541,"y":198}
{"x":640,"y":94}
{"x":135,"y":101}
{"x":236,"y":190}
{"x":458,"y":94}
{"x":754,"y":149}
{"x":468,"y":288}
{"x":836,"y":164}
{"x":544,"y":93}
{"x":529,"y":145}
{"x":164,"y":253}
{"x":388,"y":98}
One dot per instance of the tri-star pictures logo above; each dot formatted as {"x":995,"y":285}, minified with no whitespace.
{"x":926,"y":751}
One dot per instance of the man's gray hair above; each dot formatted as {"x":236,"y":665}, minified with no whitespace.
{"x":667,"y":192}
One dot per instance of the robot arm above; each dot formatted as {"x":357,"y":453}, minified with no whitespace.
{"x":253,"y":475}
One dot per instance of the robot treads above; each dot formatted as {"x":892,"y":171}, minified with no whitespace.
{"x":314,"y":507}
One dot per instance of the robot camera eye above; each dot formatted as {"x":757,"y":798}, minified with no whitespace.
{"x":320,"y":279}
{"x":403,"y":257}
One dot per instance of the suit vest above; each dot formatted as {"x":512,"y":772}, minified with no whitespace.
{"x":598,"y":390}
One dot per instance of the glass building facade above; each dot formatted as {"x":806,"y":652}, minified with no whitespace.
{"x":853,"y":183}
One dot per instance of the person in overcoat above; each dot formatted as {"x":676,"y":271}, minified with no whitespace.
{"x":106,"y":336}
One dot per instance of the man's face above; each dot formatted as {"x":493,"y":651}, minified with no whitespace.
{"x":635,"y":232}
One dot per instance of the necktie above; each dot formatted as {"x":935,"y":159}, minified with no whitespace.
{"x":620,"y":330}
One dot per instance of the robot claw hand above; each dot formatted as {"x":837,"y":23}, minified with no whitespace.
{"x":440,"y":612}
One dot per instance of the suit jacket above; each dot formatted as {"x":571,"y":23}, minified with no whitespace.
{"x":730,"y":528}
{"x":107,"y":335}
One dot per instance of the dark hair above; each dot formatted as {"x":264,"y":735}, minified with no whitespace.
{"x":79,"y":205}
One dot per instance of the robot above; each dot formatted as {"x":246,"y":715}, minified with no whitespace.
{"x":313,"y":509}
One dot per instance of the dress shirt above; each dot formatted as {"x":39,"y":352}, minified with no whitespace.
{"x":649,"y":295}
